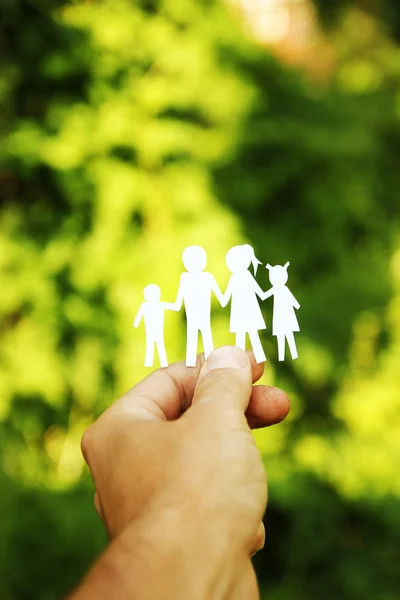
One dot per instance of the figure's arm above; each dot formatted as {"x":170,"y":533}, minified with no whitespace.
{"x":267,"y":294}
{"x":226,"y":296}
{"x":293,"y":300}
{"x":217,"y":291}
{"x":179,"y":297}
{"x":139,"y":316}
{"x":171,"y":306}
{"x":259,"y":291}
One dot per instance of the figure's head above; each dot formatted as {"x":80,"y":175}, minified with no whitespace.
{"x":278,"y":275}
{"x":152,"y":293}
{"x":239,"y":258}
{"x":194,"y":258}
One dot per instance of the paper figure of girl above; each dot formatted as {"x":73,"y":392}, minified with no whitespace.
{"x":284,"y":320}
{"x":243,"y":289}
{"x":152,"y":310}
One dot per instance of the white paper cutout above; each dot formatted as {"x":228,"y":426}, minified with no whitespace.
{"x":242,"y":290}
{"x":152,"y":311}
{"x":195,"y":288}
{"x":194,"y":292}
{"x":284,"y":320}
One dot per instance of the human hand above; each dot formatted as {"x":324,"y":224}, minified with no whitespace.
{"x":175,"y":467}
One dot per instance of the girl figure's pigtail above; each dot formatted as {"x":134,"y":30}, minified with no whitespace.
{"x":254,"y":260}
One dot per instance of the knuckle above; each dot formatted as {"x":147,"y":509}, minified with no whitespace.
{"x":97,"y":505}
{"x":87,"y":443}
{"x":223,"y":382}
{"x":259,"y":539}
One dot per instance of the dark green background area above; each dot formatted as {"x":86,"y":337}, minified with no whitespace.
{"x":310,"y":172}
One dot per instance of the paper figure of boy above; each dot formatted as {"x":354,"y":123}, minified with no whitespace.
{"x":284,"y":320}
{"x":152,"y":310}
{"x":194,"y":292}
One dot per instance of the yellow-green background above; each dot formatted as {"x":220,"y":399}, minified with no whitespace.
{"x":130,"y":130}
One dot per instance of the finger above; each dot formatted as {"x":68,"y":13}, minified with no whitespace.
{"x":166,"y":393}
{"x":225,"y":380}
{"x":97,"y":505}
{"x":259,"y":540}
{"x":268,"y":406}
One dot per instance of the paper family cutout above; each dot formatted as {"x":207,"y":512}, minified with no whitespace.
{"x":196,"y":287}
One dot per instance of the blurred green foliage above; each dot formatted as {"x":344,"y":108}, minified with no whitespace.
{"x":130,"y":130}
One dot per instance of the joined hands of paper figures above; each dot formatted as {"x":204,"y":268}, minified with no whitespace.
{"x":195,"y":290}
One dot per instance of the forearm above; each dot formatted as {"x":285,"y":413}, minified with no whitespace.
{"x":167,"y":557}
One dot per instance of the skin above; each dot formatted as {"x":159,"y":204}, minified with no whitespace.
{"x":180,"y":485}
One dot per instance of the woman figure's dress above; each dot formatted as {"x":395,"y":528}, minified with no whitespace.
{"x":245,"y":311}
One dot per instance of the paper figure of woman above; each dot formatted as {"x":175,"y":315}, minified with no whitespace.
{"x":242,"y":290}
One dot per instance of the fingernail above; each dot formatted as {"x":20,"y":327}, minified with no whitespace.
{"x":227,"y":357}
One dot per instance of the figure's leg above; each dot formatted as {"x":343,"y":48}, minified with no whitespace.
{"x":208,"y":343}
{"x":292,"y":345}
{"x":257,"y":347}
{"x":191,"y":345}
{"x":162,"y":353}
{"x":149,"y":358}
{"x":281,"y":347}
{"x":241,"y":339}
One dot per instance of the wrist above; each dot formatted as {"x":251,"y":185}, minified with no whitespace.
{"x":166,"y":555}
{"x":170,"y":550}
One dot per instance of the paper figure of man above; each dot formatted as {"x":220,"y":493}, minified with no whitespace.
{"x":195,"y":288}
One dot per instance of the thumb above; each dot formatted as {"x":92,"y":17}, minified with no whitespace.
{"x":225,"y":380}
